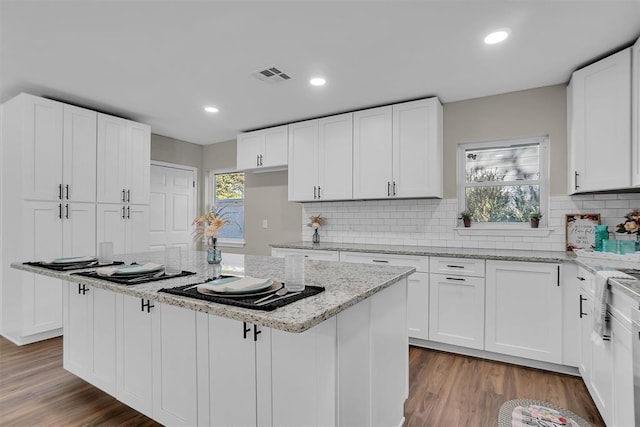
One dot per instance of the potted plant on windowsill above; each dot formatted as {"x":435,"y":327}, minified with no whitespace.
{"x":466,"y":218}
{"x":535,"y":219}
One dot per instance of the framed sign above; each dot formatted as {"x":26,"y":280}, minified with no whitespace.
{"x":580,"y":231}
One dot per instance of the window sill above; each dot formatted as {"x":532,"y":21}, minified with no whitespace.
{"x":486,"y":231}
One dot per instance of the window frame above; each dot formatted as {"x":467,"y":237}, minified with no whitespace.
{"x":211,"y":198}
{"x":543,"y":181}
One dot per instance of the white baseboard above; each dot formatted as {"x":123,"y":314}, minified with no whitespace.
{"x":29,"y":339}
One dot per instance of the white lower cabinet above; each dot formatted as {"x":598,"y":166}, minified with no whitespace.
{"x":524,"y":310}
{"x":622,"y":407}
{"x":311,"y":254}
{"x":175,"y":365}
{"x":456,"y":310}
{"x":239,"y":360}
{"x":585,"y":315}
{"x":135,"y":331}
{"x":127,"y":226}
{"x":90,"y":335}
{"x":418,"y":305}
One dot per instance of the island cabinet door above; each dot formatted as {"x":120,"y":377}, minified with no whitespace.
{"x":76,"y":343}
{"x":239,"y":387}
{"x":175,"y":365}
{"x":134,"y":331}
{"x":418,"y":305}
{"x":524,"y":310}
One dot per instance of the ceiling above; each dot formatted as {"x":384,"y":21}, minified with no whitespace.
{"x":160,"y":62}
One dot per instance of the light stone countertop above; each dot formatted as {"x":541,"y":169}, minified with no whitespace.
{"x":495,"y":254}
{"x":631,"y":288}
{"x":345,"y":285}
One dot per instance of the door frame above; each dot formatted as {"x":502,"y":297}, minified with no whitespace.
{"x":196,"y":198}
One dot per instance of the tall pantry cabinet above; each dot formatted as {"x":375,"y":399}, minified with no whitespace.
{"x":48,"y":206}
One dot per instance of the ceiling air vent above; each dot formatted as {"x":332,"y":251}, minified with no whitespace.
{"x":271,"y":75}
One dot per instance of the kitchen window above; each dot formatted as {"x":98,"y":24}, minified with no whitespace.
{"x":228,"y":195}
{"x":501,"y":183}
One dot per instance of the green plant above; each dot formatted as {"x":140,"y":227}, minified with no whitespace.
{"x":535,"y":216}
{"x":465,"y":214}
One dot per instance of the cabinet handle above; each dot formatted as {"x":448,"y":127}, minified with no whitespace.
{"x":60,"y":191}
{"x":459,"y":279}
{"x":314,"y":192}
{"x":129,"y":215}
{"x":146,"y":305}
{"x":558,"y":278}
{"x":380,"y":260}
{"x":257,"y":159}
{"x":582,"y":279}
{"x":123,"y":200}
{"x":256,"y":332}
{"x":84,"y":289}
{"x":123,"y":217}
{"x":581,"y":313}
{"x":388,"y":189}
{"x":245,"y":330}
{"x":66,"y":187}
{"x":128,"y":196}
{"x":575,"y":180}
{"x":60,"y":210}
{"x":318,"y":191}
{"x":606,"y":338}
{"x":454,"y":266}
{"x":260,"y":159}
{"x":66,"y":211}
{"x":394,"y":188}
{"x":79,"y":288}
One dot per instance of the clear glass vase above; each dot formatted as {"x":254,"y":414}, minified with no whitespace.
{"x":214,"y":254}
{"x":316,"y":236}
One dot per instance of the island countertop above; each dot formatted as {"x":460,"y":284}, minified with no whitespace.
{"x":345,"y":285}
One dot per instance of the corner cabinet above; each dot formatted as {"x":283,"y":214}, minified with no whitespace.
{"x":599,"y":125}
{"x":262,"y":150}
{"x":320,"y":159}
{"x":524,"y":310}
{"x":397,"y":151}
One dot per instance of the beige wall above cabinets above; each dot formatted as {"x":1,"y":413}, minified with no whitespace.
{"x":533,"y":112}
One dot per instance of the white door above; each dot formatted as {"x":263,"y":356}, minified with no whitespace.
{"x":110,"y":226}
{"x":78,"y":229}
{"x":249,"y":147}
{"x":418,"y":305}
{"x":102,"y":324}
{"x":76,"y":342}
{"x":275,"y":147}
{"x":172,"y":207}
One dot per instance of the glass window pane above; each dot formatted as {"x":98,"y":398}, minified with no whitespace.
{"x":229,"y":196}
{"x":501,"y":203}
{"x":503,"y":164}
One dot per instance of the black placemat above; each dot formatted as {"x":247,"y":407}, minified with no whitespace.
{"x":69,"y":267}
{"x":133,"y":280}
{"x":246,"y":302}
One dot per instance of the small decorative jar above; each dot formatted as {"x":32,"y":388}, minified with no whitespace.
{"x":602,"y":233}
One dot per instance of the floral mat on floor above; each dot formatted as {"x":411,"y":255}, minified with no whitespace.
{"x":528,"y":413}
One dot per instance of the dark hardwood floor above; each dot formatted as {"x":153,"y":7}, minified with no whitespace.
{"x":445,"y":390}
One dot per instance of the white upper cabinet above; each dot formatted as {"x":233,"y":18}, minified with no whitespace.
{"x":372,"y":150}
{"x":320,"y":159}
{"x":635,"y":110}
{"x":126,"y":226}
{"x":79,"y":151}
{"x":123,"y":160}
{"x":599,"y":125}
{"x":397,"y":151}
{"x":264,"y":149}
{"x":417,"y":148}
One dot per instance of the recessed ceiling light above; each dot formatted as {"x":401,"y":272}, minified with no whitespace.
{"x":317,"y":81}
{"x":497,"y":36}
{"x":211,"y":109}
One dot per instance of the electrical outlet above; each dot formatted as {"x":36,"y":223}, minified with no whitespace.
{"x":265,"y":223}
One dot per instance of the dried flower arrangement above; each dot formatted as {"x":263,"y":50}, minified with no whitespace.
{"x":209,"y":224}
{"x":316,"y":221}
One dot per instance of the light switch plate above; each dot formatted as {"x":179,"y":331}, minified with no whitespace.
{"x":265,"y":223}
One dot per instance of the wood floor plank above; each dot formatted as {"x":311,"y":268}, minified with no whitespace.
{"x":444,"y":390}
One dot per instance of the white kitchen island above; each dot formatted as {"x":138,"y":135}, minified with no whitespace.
{"x":339,"y":358}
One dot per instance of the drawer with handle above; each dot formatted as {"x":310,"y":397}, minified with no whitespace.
{"x":421,"y":263}
{"x":457,"y":266}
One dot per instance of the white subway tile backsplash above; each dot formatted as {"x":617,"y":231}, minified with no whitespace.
{"x":432,"y":221}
